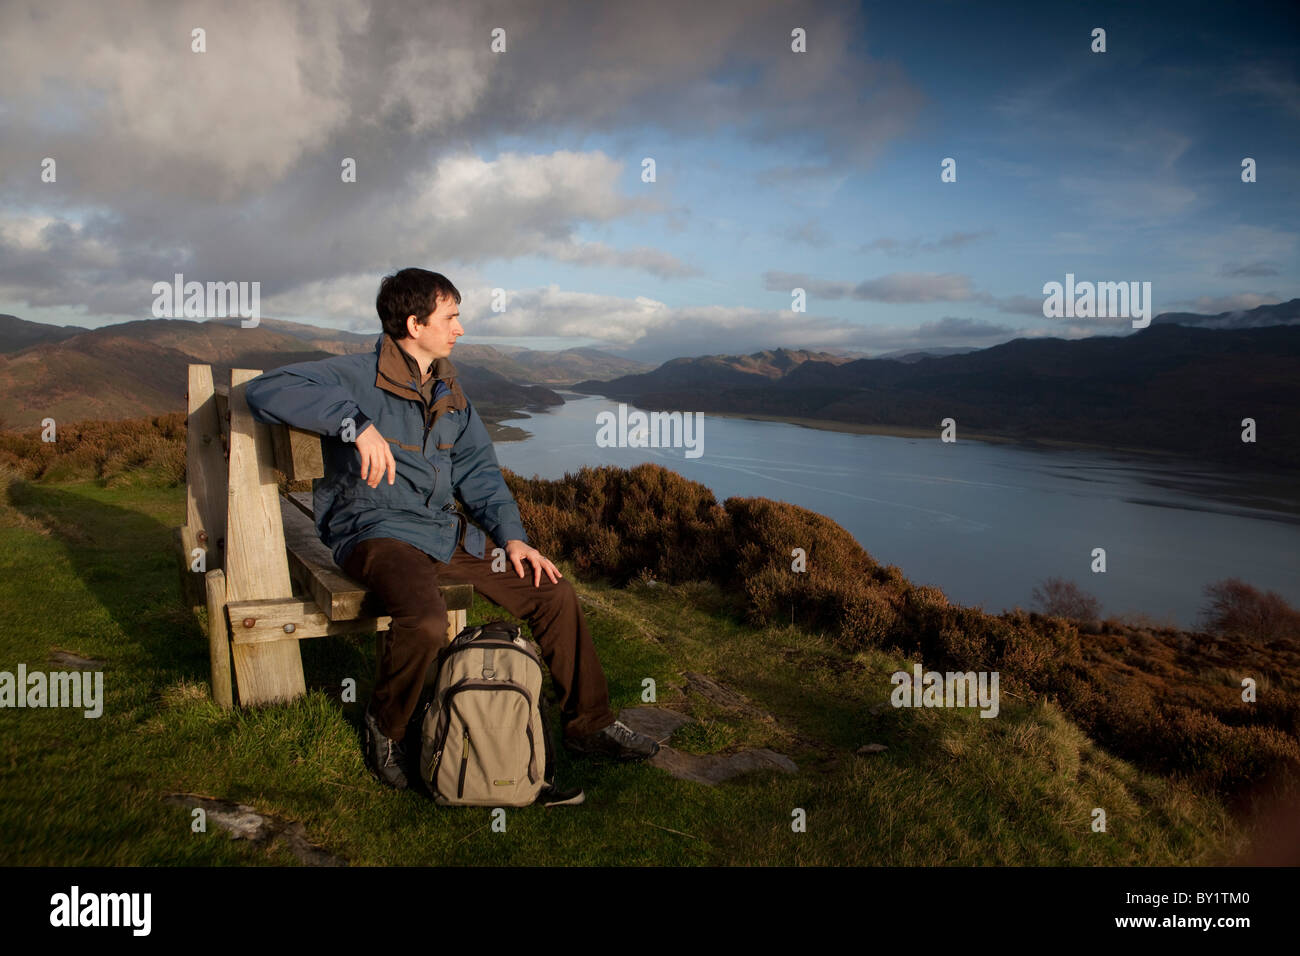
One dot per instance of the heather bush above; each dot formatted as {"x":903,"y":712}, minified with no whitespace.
{"x":104,"y":451}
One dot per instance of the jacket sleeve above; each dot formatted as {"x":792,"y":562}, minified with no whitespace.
{"x":476,"y":475}
{"x":309,"y":395}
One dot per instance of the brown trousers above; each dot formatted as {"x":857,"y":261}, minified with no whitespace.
{"x":407,"y":580}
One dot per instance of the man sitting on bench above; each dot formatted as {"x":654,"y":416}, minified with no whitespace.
{"x":400,"y":441}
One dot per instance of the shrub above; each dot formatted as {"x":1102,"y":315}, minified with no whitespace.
{"x":1062,"y":598}
{"x":1236,"y":609}
{"x":151,"y":449}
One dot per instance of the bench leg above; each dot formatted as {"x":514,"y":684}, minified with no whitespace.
{"x":268,"y":673}
{"x":455,"y":624}
{"x":219,"y":639}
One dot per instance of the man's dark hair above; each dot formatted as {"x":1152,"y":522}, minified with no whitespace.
{"x":411,"y":292}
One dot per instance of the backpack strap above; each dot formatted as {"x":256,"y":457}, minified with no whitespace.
{"x":548,"y":775}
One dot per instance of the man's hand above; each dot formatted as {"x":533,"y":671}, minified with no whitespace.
{"x":517,"y":551}
{"x":376,"y":457}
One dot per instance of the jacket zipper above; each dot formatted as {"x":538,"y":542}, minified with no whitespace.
{"x":428,"y":413}
{"x":424,"y":443}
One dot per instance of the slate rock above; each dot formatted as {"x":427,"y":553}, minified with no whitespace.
{"x":712,"y":769}
{"x":656,"y":722}
{"x":242,"y":822}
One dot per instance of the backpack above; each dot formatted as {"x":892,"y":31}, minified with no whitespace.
{"x":485,"y":737}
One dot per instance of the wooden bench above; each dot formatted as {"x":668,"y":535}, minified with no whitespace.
{"x":252,"y":556}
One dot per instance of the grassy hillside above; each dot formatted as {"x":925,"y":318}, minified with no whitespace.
{"x":86,"y":568}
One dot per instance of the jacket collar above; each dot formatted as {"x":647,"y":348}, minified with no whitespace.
{"x":399,"y":374}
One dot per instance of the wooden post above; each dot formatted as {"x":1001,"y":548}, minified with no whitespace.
{"x":219,"y":639}
{"x":256,"y":564}
{"x":205,"y":469}
{"x":184,"y":543}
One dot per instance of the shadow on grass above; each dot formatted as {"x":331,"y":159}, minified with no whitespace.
{"x":125,"y":559}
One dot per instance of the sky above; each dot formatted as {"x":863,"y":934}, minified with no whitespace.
{"x":521,"y":170}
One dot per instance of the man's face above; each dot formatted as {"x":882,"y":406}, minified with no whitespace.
{"x":437,"y":337}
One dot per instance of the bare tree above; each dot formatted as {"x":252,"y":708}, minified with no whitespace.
{"x":1061,"y":598}
{"x":1236,"y":609}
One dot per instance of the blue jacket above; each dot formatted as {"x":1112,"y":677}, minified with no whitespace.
{"x":441,"y":449}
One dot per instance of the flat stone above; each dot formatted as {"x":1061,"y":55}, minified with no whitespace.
{"x":712,"y":769}
{"x":655,"y":722}
{"x":871,"y":748}
{"x":242,"y":822}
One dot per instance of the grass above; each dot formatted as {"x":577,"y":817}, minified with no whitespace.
{"x":89,"y":569}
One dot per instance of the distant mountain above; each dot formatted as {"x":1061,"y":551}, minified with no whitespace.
{"x":574,"y":365}
{"x":710,"y":372}
{"x":140,"y":368}
{"x":1168,"y":387}
{"x":1283,"y":313}
{"x":17,"y":334}
{"x":333,"y":341}
{"x":915,"y":355}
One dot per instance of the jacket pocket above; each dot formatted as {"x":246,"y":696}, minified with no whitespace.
{"x":443,"y":436}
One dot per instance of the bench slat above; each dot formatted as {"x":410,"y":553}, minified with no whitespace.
{"x":302,"y":500}
{"x":269,"y":618}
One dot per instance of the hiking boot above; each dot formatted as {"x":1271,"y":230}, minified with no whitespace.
{"x":618,"y":740}
{"x":552,"y":796}
{"x":385,"y":758}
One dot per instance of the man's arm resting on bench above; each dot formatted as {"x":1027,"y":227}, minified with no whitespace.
{"x":308,"y":395}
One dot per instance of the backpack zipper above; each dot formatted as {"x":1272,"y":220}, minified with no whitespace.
{"x":464,"y":762}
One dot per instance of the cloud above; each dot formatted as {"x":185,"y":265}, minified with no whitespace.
{"x":1126,"y":200}
{"x":910,"y":247}
{"x":1270,"y":81}
{"x":1250,"y":270}
{"x":809,"y":231}
{"x":225,"y":165}
{"x":776,"y":281}
{"x":917,"y":287}
{"x":460,"y":210}
{"x":650,"y":330}
{"x":951,"y":330}
{"x":1021,"y":305}
{"x":647,"y":329}
{"x":897,"y":287}
{"x":294,"y":84}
